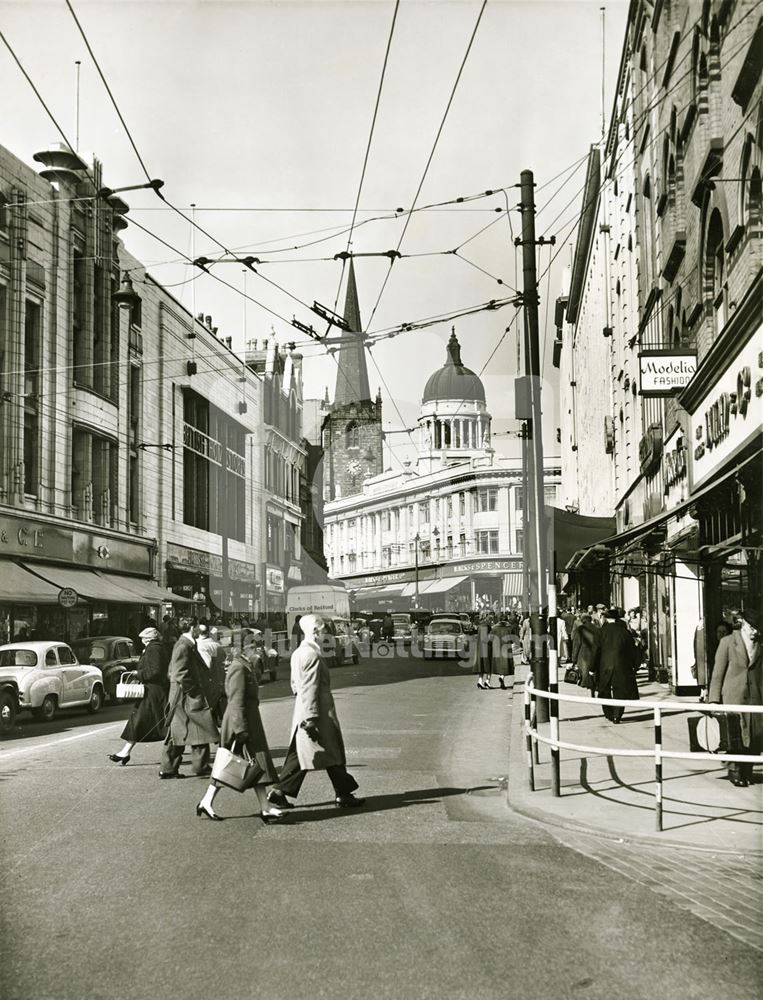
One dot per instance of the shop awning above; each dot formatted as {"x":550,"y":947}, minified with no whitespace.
{"x":146,"y":591}
{"x":85,"y":582}
{"x":18,"y":586}
{"x":512,"y":585}
{"x":442,"y":586}
{"x":611,"y":542}
{"x":393,"y":590}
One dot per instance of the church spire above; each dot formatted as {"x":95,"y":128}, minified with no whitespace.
{"x":352,"y":373}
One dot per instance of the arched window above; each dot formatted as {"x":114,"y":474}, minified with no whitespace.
{"x":352,"y":435}
{"x":714,"y":269}
{"x":750,"y":207}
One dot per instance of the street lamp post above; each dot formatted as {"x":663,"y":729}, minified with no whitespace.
{"x":416,"y":541}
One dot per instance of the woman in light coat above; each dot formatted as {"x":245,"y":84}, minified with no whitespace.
{"x":242,"y":726}
{"x":737,"y":679}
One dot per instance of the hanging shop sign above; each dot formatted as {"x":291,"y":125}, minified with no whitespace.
{"x":674,"y":465}
{"x":665,"y":372}
{"x":274,"y":579}
{"x":650,"y":450}
{"x":729,"y":415}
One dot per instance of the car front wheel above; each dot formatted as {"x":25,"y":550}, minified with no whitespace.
{"x":7,"y":712}
{"x":46,"y":711}
{"x":96,"y":700}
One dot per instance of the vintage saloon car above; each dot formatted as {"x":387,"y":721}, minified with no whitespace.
{"x":112,"y":654}
{"x":48,"y":676}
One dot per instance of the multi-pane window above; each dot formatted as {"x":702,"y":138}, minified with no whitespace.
{"x":387,"y":520}
{"x":487,"y":498}
{"x":519,"y":498}
{"x":424,"y":512}
{"x":520,"y":540}
{"x":462,"y":504}
{"x":32,"y":334}
{"x":487,"y":542}
{"x":549,"y":494}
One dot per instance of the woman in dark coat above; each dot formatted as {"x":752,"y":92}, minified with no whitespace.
{"x":147,"y":723}
{"x":619,"y":660}
{"x":242,"y":725}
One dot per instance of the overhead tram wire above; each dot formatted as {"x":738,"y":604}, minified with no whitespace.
{"x":368,"y":146}
{"x":416,"y":198}
{"x":431,"y":155}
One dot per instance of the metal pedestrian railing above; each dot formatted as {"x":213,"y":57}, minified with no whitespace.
{"x":533,"y":737}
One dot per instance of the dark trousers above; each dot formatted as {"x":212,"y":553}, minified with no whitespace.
{"x":172,"y":755}
{"x":292,"y":775}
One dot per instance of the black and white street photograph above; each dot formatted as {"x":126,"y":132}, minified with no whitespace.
{"x":381,"y":499}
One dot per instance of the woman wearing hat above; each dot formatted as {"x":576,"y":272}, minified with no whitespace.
{"x":242,"y":726}
{"x":146,"y":723}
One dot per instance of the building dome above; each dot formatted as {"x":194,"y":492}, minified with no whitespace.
{"x":453,"y":380}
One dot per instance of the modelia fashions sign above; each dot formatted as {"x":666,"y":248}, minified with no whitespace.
{"x":665,"y":372}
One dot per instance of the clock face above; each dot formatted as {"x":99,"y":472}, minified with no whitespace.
{"x":354,"y":467}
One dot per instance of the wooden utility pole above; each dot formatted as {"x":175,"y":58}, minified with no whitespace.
{"x":535,"y":541}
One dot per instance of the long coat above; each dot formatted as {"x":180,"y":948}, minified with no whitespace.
{"x":191,"y":697}
{"x":311,"y":683}
{"x":585,"y":650}
{"x":242,"y":714}
{"x":147,"y":723}
{"x":738,"y":680}
{"x":503,"y":648}
{"x":617,"y":663}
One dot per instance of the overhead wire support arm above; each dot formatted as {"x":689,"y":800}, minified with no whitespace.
{"x":348,"y":254}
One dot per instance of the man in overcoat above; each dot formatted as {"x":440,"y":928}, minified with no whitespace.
{"x":737,"y":679}
{"x":618,"y":662}
{"x":316,"y":738}
{"x":190,"y":707}
{"x":585,"y":650}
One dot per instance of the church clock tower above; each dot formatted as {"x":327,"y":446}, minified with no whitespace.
{"x":352,"y":428}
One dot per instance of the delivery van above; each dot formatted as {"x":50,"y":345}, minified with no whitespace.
{"x":329,"y":599}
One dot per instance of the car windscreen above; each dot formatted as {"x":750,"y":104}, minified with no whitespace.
{"x":18,"y":658}
{"x":401,"y":619}
{"x":445,"y":628}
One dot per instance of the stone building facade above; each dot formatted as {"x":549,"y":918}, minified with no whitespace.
{"x":688,"y":111}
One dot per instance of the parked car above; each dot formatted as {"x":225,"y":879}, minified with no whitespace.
{"x":48,"y":676}
{"x":112,"y":654}
{"x":345,"y":641}
{"x":445,"y":637}
{"x":404,"y":628}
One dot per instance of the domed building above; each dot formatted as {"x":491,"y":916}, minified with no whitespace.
{"x":453,"y":421}
{"x":444,"y":533}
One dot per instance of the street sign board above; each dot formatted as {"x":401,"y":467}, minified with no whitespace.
{"x":67,"y":597}
{"x":665,"y":372}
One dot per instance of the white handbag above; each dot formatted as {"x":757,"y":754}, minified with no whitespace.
{"x":129,"y":687}
{"x":234,"y":771}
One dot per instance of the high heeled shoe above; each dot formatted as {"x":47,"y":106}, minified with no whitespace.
{"x":500,"y":681}
{"x":201,"y":810}
{"x":272,"y":815}
{"x":488,"y":686}
{"x":119,"y":760}
{"x":481,"y":685}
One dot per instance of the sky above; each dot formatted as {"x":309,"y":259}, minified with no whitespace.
{"x":259,"y":113}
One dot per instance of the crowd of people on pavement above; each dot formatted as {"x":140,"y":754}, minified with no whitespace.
{"x":191,"y":700}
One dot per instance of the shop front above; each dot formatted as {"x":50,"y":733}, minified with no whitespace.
{"x":106,"y":577}
{"x":725,"y":406}
{"x":212,"y":586}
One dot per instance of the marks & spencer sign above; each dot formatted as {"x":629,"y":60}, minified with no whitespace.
{"x":664,"y":372}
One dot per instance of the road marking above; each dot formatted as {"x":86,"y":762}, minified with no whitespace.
{"x":5,"y":754}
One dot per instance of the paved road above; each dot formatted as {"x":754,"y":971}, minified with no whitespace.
{"x":112,"y":887}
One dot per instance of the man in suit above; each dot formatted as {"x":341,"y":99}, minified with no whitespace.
{"x":191,"y":699}
{"x":316,"y":738}
{"x":737,"y":679}
{"x":585,"y":651}
{"x":618,"y":663}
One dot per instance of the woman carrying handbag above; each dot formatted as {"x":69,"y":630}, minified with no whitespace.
{"x":242,"y":729}
{"x":147,"y":723}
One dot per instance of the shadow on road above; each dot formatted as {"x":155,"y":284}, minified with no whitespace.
{"x":317,"y":812}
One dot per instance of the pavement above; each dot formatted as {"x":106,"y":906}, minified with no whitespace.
{"x":614,"y":796}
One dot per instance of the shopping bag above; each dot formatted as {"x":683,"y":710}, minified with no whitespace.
{"x":129,"y":687}
{"x":704,"y":733}
{"x":236,"y":771}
